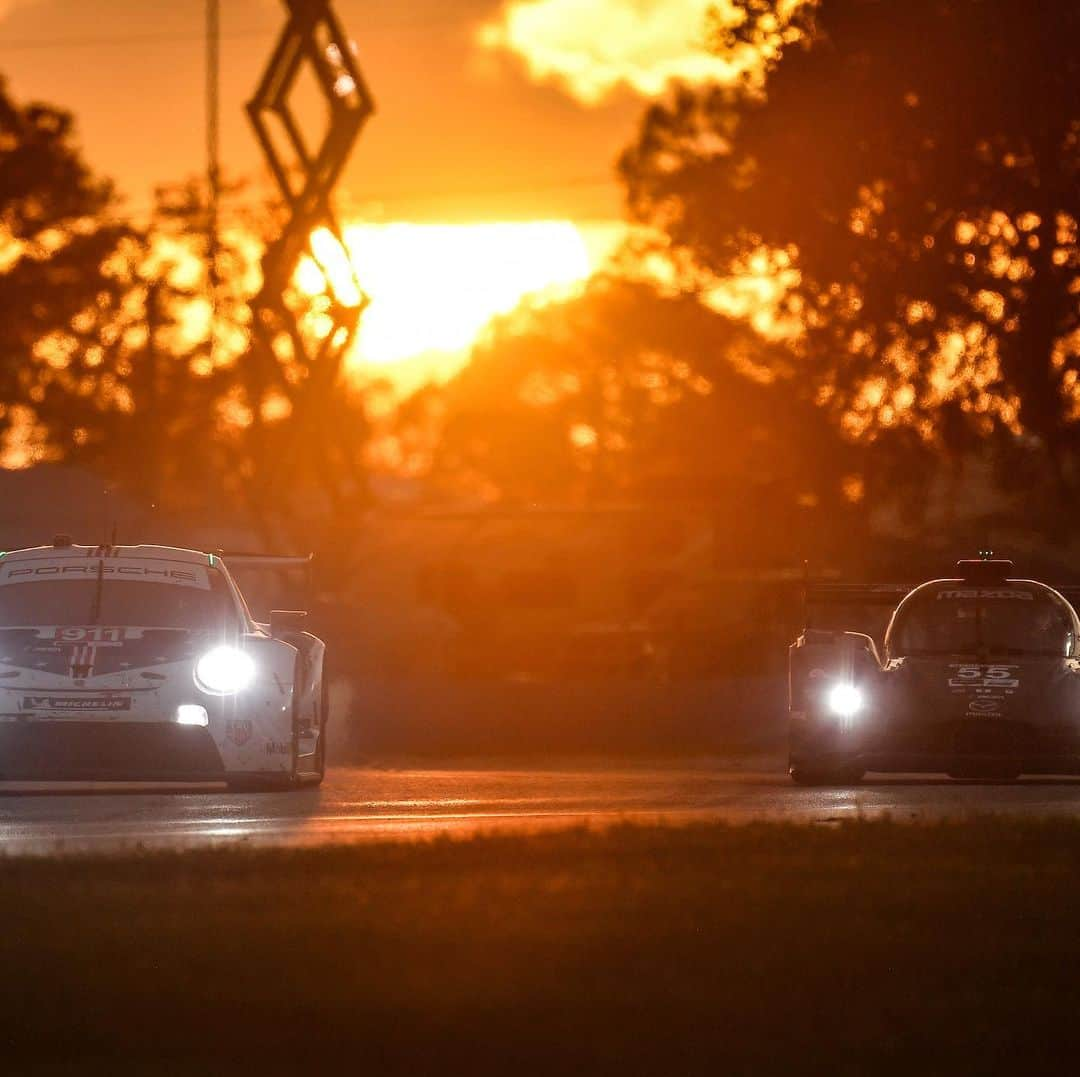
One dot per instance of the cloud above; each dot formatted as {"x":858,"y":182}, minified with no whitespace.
{"x":593,"y":47}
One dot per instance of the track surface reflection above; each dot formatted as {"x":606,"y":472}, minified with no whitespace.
{"x":367,"y":803}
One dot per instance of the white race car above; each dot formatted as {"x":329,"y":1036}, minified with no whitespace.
{"x":143,"y":663}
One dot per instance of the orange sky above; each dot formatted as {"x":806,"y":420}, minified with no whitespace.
{"x":462,"y":132}
{"x":489,"y":111}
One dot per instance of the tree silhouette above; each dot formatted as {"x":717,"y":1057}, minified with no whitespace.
{"x":142,"y":397}
{"x":57,"y":233}
{"x":218,"y":426}
{"x":918,"y":165}
{"x":626,"y":395}
{"x":111,"y":357}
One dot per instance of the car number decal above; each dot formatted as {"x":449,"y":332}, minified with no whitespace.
{"x":89,"y":634}
{"x":987,"y":688}
{"x":968,"y":676}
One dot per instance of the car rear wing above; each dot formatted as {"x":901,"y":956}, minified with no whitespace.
{"x":272,"y":562}
{"x":819,"y":594}
{"x":266,"y":560}
{"x":286,"y":564}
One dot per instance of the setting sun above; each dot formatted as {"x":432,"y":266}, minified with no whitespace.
{"x":434,"y":287}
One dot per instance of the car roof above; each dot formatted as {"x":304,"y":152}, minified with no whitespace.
{"x":979,"y":590}
{"x":980,"y":585}
{"x":141,"y":552}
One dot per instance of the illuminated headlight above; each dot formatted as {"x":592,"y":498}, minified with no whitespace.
{"x":224,"y":670}
{"x":844,"y":700}
{"x":192,"y":714}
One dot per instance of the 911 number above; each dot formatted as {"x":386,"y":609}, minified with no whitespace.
{"x":95,"y":634}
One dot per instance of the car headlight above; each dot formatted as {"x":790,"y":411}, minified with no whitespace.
{"x":224,"y":670}
{"x":844,"y":700}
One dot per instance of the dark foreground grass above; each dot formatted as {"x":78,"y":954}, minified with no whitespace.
{"x":872,"y":948}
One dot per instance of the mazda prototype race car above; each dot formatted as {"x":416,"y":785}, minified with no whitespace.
{"x":142,"y":663}
{"x":979,"y":678}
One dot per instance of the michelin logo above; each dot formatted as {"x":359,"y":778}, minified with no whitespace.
{"x":77,"y":703}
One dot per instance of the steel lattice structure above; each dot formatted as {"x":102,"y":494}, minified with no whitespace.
{"x":313,"y":41}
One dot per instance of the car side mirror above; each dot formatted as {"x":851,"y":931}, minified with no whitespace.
{"x":286,"y":622}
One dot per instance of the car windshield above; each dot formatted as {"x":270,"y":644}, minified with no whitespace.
{"x":995,"y":621}
{"x":118,"y":602}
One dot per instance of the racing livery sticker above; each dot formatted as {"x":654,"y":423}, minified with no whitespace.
{"x":987,"y":687}
{"x":985,"y":592}
{"x":984,"y":677}
{"x":82,"y":662}
{"x":99,"y":634}
{"x":93,"y":651}
{"x":76,"y":704}
{"x":116,"y":568}
{"x":239,"y":730}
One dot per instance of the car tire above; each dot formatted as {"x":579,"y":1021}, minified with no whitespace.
{"x":312,"y":780}
{"x":320,"y":752}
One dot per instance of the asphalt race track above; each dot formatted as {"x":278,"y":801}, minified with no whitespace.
{"x":357,"y":804}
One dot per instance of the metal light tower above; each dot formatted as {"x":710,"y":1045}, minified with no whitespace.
{"x":306,"y":171}
{"x":213,"y":157}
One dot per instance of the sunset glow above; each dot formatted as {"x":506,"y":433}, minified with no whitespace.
{"x":434,"y":287}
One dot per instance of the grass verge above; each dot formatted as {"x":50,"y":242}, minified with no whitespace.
{"x":871,"y":948}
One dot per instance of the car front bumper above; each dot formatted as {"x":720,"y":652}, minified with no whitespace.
{"x":70,"y":750}
{"x":947,"y":746}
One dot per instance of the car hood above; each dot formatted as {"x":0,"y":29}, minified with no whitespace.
{"x":1017,"y":688}
{"x":83,"y":653}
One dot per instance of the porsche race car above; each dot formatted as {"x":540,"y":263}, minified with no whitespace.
{"x":143,"y":663}
{"x":979,"y":678}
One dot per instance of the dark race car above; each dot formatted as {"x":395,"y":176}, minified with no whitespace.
{"x":979,"y":678}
